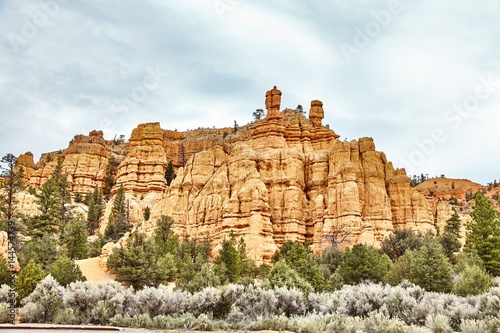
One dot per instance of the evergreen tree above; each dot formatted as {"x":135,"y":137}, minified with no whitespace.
{"x":11,"y":184}
{"x":396,"y":244}
{"x":246,"y":265}
{"x":165,"y":238}
{"x":95,"y":210}
{"x":362,"y":263}
{"x":136,"y":263}
{"x":484,"y":236}
{"x":191,"y":254}
{"x":331,"y":259}
{"x":118,"y":223}
{"x":28,"y":278}
{"x":95,"y":247}
{"x":430,"y":268}
{"x":229,"y":257}
{"x":472,"y":280}
{"x":170,"y":173}
{"x":147,"y":213}
{"x":75,"y":239}
{"x":41,"y":250}
{"x":282,"y":275}
{"x":302,"y":260}
{"x":109,"y":178}
{"x":63,"y":188}
{"x":450,"y":238}
{"x":5,"y":272}
{"x":65,"y":271}
{"x":400,"y":270}
{"x":258,"y":114}
{"x":48,"y":201}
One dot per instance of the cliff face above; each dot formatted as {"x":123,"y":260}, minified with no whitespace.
{"x":143,"y":168}
{"x":270,"y":195}
{"x":286,"y":177}
{"x":83,"y":162}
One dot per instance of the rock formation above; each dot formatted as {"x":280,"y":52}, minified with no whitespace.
{"x":285,"y":177}
{"x":316,"y":113}
{"x":273,"y":103}
{"x":10,"y":257}
{"x":143,"y":168}
{"x":26,"y":162}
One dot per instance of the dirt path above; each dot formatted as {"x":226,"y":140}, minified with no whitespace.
{"x":93,"y":272}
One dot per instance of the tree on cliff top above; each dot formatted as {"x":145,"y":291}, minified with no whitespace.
{"x":11,"y":184}
{"x":258,"y":114}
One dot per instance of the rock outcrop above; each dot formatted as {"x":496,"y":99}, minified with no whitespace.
{"x":143,"y":168}
{"x":83,"y":162}
{"x":286,"y":177}
{"x":9,"y":255}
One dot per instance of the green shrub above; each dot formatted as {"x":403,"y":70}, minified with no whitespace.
{"x":28,"y":279}
{"x":473,"y":280}
{"x":65,"y":271}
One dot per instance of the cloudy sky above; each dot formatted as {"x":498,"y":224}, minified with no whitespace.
{"x":420,"y":77}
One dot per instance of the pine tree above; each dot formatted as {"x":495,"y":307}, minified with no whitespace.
{"x":28,"y":278}
{"x":170,"y":173}
{"x":95,"y":210}
{"x":165,"y":239}
{"x":302,"y":260}
{"x":48,"y":201}
{"x":473,"y":280}
{"x":282,"y":275}
{"x":191,"y":254}
{"x":244,"y":262}
{"x":396,"y":244}
{"x":136,"y":263}
{"x":5,"y":272}
{"x":11,"y":184}
{"x":109,"y":178}
{"x":229,"y":258}
{"x":63,"y":187}
{"x":147,"y":213}
{"x":118,"y":223}
{"x":450,"y":238}
{"x":42,"y":250}
{"x":484,"y":236}
{"x":430,"y":268}
{"x":65,"y":271}
{"x":363,"y":262}
{"x":75,"y":239}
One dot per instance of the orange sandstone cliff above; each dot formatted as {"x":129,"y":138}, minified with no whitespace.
{"x":285,"y":177}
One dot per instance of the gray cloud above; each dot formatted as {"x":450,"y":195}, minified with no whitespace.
{"x":81,"y":68}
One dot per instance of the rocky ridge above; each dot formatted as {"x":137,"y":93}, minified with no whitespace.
{"x":285,"y":177}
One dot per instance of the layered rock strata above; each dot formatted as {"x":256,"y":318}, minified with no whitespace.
{"x":286,"y":177}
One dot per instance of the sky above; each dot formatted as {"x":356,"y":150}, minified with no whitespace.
{"x":422,"y":78}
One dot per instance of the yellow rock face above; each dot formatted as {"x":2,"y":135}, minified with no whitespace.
{"x":282,"y":178}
